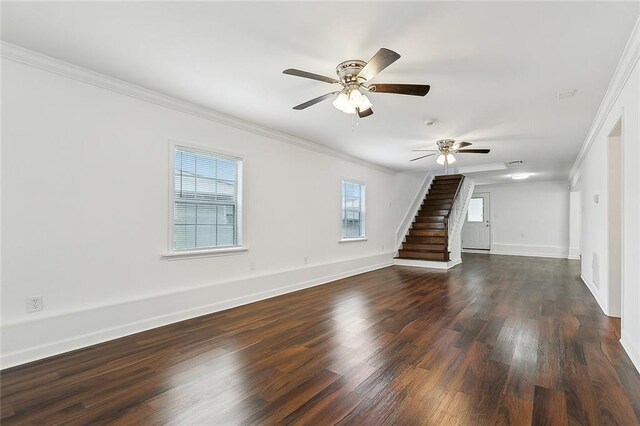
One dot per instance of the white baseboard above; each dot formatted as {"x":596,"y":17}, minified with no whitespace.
{"x":631,"y":350}
{"x":596,"y":295}
{"x":45,"y":336}
{"x":529,"y":250}
{"x":431,"y":264}
{"x":574,"y":253}
{"x":479,"y":251}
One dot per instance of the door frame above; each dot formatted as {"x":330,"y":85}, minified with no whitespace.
{"x":615,"y":308}
{"x":487,"y":207}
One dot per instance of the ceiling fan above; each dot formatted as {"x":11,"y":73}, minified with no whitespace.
{"x":448,"y":147}
{"x":354,"y":76}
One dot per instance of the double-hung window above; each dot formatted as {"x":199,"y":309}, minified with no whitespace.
{"x":206,"y":200}
{"x":353,"y":210}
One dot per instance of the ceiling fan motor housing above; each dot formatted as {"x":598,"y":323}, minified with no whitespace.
{"x":444,"y":145}
{"x":348,"y":71}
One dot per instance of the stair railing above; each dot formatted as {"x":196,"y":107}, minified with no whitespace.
{"x":459,"y":208}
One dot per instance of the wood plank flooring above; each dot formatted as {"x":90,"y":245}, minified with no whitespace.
{"x":496,"y":340}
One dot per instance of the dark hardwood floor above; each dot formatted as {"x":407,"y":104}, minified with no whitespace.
{"x":496,"y":340}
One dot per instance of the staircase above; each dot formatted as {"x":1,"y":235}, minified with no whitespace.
{"x":428,"y":237}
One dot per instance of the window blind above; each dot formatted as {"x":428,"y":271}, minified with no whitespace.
{"x":352,"y":210}
{"x":205,"y":210}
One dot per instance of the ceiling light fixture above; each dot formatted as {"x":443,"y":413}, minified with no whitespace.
{"x":350,"y":101}
{"x":520,"y":176}
{"x":354,"y":76}
{"x":450,"y":159}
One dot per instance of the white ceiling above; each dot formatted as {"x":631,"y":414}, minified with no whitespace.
{"x":494,"y":68}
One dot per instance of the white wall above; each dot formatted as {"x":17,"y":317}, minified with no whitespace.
{"x":529,"y":218}
{"x":574,"y":225}
{"x":85,"y":216}
{"x":591,"y":173}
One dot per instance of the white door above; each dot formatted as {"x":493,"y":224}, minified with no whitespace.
{"x":476,"y":232}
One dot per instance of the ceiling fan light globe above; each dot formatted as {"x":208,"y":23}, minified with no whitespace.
{"x":366,"y":103}
{"x":341,"y":102}
{"x":349,"y":109}
{"x":356,"y":98}
{"x":450,"y":159}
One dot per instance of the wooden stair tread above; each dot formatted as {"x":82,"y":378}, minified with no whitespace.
{"x":428,"y":225}
{"x":416,"y":255}
{"x":424,"y":247}
{"x":426,"y":219}
{"x":428,"y":232}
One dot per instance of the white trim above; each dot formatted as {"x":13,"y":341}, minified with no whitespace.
{"x":607,"y":230}
{"x":634,"y":353}
{"x":477,"y":251}
{"x":557,"y":252}
{"x":574,"y":253}
{"x":351,"y":240}
{"x":193,"y":254}
{"x":596,"y":295}
{"x":430,"y":264}
{"x":75,"y":72}
{"x":623,"y":71}
{"x":89,"y":326}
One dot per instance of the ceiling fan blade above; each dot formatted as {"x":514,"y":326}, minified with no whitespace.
{"x":401,"y":89}
{"x":424,"y":156}
{"x":305,"y":74}
{"x":366,"y":113}
{"x":473,"y":151}
{"x":382,"y":59}
{"x":461,"y":145}
{"x":315,"y":101}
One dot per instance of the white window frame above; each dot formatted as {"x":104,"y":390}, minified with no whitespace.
{"x":363,"y":210}
{"x":239,"y":247}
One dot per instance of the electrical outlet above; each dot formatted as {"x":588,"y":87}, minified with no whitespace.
{"x":252,"y":266}
{"x":306,"y":260}
{"x":34,"y":304}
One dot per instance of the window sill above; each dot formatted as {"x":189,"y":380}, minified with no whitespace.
{"x":351,"y":240}
{"x":192,"y":254}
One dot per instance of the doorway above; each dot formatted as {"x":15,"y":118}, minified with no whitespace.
{"x":614,"y":213}
{"x":476,"y":232}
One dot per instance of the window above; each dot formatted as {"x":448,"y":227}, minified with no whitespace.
{"x":476,"y":210}
{"x":352,"y":210}
{"x":206,"y":194}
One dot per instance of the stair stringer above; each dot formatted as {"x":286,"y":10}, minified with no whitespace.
{"x":457,"y":218}
{"x":413,"y":210}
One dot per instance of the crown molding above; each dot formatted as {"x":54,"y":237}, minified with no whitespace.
{"x":47,"y":63}
{"x":627,"y":62}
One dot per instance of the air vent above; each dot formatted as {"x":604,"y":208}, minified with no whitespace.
{"x":566,"y":94}
{"x":515,"y":163}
